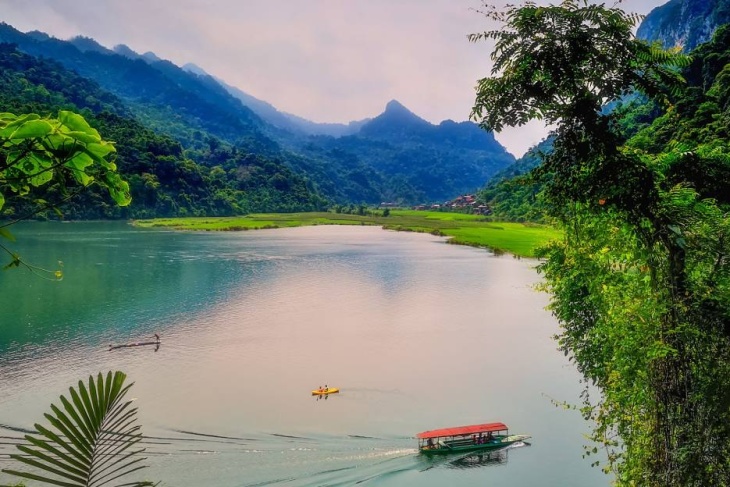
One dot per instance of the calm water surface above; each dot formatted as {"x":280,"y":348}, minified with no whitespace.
{"x":418,"y":335}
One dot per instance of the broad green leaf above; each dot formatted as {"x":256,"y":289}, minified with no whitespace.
{"x":76,"y":123}
{"x":41,"y":165}
{"x":41,"y":178}
{"x":78,"y":165}
{"x":118,"y":189}
{"x":3,"y":232}
{"x":100,"y":150}
{"x":84,"y":137}
{"x":13,"y":125}
{"x":32,"y":129}
{"x":79,"y":162}
{"x":57,"y":142}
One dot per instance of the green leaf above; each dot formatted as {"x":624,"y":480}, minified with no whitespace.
{"x":32,"y":129}
{"x":73,"y":473}
{"x":4,"y":232}
{"x":38,"y":167}
{"x":78,"y":165}
{"x":100,"y":150}
{"x":84,"y":137}
{"x":12,"y":126}
{"x":76,"y":123}
{"x":79,"y":162}
{"x":39,"y":478}
{"x":95,"y":444}
{"x":58,"y":142}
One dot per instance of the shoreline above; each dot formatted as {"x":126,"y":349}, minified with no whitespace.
{"x":518,"y":239}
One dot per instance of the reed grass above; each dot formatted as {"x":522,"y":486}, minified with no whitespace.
{"x":515,"y":238}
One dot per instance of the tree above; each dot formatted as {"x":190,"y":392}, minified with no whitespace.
{"x":90,"y":442}
{"x":37,"y":152}
{"x":640,"y":282}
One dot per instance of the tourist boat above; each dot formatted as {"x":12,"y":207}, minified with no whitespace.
{"x":324,"y":392}
{"x":489,"y":436}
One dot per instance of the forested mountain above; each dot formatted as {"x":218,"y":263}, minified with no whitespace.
{"x":379,"y":161}
{"x":700,"y":117}
{"x":165,"y":179}
{"x":684,"y":23}
{"x":436,"y":160}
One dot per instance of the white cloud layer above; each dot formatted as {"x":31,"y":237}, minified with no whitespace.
{"x":324,"y":60}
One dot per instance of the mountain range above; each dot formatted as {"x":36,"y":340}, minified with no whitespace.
{"x":395,"y":156}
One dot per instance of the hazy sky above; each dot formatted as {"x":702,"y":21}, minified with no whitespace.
{"x":324,"y":60}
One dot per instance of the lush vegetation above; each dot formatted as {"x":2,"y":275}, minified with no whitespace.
{"x":42,"y":155}
{"x":92,"y":439}
{"x":514,"y":194}
{"x":216,"y":178}
{"x":640,"y":283}
{"x":515,"y":238}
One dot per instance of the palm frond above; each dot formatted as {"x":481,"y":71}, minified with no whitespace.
{"x":92,"y":439}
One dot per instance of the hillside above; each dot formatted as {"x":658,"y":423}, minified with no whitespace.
{"x":437,"y":161}
{"x":684,"y":23}
{"x":165,"y":179}
{"x":704,"y":119}
{"x":388,"y":158}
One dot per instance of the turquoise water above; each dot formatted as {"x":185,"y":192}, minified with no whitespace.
{"x":416,"y":333}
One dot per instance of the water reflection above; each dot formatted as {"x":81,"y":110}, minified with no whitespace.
{"x":490,"y":459}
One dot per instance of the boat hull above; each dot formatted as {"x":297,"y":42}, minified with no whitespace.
{"x":444,"y":448}
{"x":330,"y":390}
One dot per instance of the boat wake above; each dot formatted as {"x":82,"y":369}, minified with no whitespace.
{"x":183,"y":457}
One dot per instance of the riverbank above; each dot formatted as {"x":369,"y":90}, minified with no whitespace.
{"x":502,"y":237}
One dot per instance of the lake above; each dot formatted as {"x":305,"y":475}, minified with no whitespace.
{"x":416,"y":333}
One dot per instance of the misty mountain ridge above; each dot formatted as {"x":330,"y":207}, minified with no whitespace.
{"x":283,"y":120}
{"x":396,"y":156}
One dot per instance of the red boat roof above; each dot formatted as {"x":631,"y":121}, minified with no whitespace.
{"x":462,"y":430}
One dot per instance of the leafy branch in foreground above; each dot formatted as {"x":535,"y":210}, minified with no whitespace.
{"x":640,"y":283}
{"x":92,"y":439}
{"x":36,"y":152}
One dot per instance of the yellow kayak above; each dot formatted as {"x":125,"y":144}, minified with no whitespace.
{"x":324,"y":392}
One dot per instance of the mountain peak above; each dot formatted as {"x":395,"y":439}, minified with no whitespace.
{"x":126,"y":51}
{"x":195,"y":69}
{"x":394,"y":106}
{"x":150,"y":57}
{"x":85,"y":44}
{"x":395,"y":121}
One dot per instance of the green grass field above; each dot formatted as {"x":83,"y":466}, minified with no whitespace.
{"x":514,"y":238}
